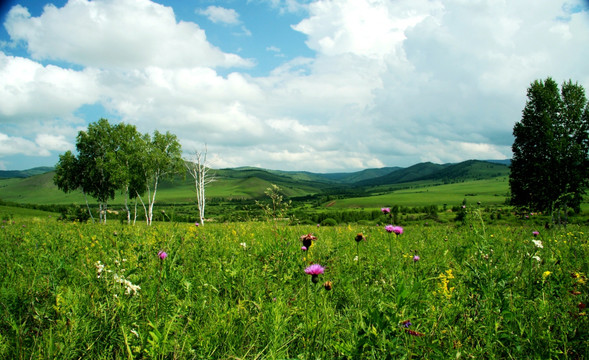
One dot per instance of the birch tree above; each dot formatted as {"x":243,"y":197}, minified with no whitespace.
{"x":161,"y":159}
{"x":198,"y":168}
{"x":68,"y":177}
{"x":128,"y":154}
{"x":97,"y":164}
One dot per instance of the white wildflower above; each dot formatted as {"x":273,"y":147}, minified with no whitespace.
{"x":538,"y":243}
{"x":536,"y":257}
{"x":99,"y":268}
{"x":356,"y":258}
{"x":244,"y":245}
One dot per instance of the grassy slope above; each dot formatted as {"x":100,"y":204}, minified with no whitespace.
{"x":491,"y":191}
{"x":11,"y":212}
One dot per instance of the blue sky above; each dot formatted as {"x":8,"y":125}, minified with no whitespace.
{"x":316,"y":85}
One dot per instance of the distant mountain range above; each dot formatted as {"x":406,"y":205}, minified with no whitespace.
{"x":8,"y":174}
{"x":36,"y":185}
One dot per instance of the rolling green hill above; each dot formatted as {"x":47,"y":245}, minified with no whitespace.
{"x":7,"y":174}
{"x":371,"y":186}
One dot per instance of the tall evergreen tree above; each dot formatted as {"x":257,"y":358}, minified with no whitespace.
{"x":550,"y":159}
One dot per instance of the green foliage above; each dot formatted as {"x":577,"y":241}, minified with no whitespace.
{"x":329,"y":222}
{"x":71,"y":290}
{"x":550,"y":161}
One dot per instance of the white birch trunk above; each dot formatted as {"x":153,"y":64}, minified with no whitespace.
{"x":88,"y":207}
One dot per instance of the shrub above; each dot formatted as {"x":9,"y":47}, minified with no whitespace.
{"x":329,"y":222}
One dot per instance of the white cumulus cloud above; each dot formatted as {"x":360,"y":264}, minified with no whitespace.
{"x":122,"y":34}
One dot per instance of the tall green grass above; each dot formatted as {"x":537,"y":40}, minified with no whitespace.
{"x":239,"y":291}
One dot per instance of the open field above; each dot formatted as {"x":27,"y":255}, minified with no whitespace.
{"x":239,"y":290}
{"x":489,"y":192}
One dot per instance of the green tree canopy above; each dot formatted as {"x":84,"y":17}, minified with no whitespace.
{"x":113,"y":158}
{"x":550,"y":150}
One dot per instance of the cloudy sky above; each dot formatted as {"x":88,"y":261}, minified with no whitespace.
{"x":316,"y":85}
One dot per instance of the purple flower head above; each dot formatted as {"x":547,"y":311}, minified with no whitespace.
{"x":406,"y":323}
{"x":162,"y":255}
{"x":398,"y":230}
{"x":196,"y":224}
{"x":416,"y":258}
{"x":304,"y":248}
{"x":535,"y":233}
{"x":314,"y":269}
{"x":386,"y":210}
{"x":389,"y":228}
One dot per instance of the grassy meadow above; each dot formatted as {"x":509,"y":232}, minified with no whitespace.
{"x":239,"y":291}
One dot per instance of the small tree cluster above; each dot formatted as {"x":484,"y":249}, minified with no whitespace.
{"x":550,"y":164}
{"x":113,"y":158}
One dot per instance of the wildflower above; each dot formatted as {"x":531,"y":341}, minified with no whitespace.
{"x":538,"y":243}
{"x":535,"y":233}
{"x":356,"y":258}
{"x":327,"y":285}
{"x":397,"y":230}
{"x":414,"y":333}
{"x":162,"y":255}
{"x":546,"y":274}
{"x":99,"y":268}
{"x":389,"y":228}
{"x":196,"y":224}
{"x":537,"y":258}
{"x":314,"y":270}
{"x":244,"y":245}
{"x":406,"y":323}
{"x":360,"y":237}
{"x":308,"y":240}
{"x":416,"y":258}
{"x":304,"y":248}
{"x":386,"y":210}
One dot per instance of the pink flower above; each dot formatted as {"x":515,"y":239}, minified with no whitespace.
{"x":314,"y":269}
{"x":196,"y":224}
{"x":535,"y":233}
{"x":304,"y":248}
{"x":394,"y":229}
{"x":162,"y":255}
{"x":386,"y":210}
{"x":416,"y":258}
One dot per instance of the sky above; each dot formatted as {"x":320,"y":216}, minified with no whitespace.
{"x":314,"y":85}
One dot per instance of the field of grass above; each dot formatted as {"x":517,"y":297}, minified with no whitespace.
{"x":488,"y":192}
{"x":11,"y":212}
{"x":40,"y":190}
{"x":240,"y":291}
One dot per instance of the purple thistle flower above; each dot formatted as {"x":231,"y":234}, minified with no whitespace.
{"x":535,"y":233}
{"x":416,"y":258}
{"x":386,"y":210}
{"x":304,"y":248}
{"x":398,"y":230}
{"x":162,"y":255}
{"x":196,"y":224}
{"x":314,"y":269}
{"x":389,"y":228}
